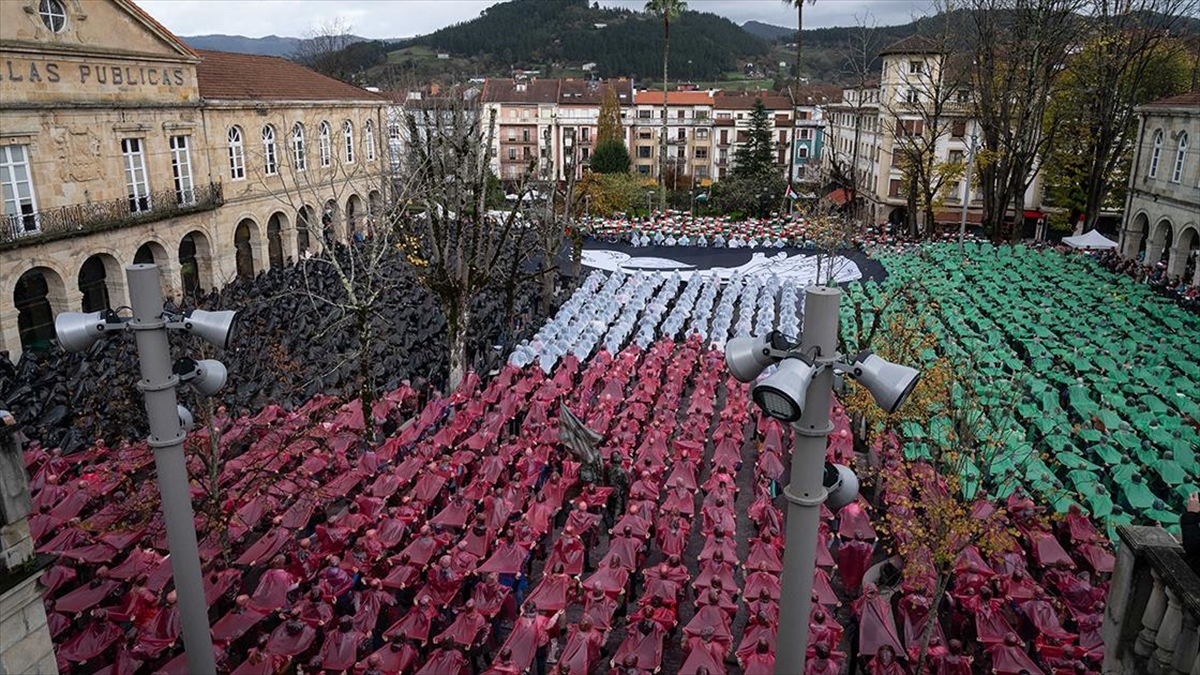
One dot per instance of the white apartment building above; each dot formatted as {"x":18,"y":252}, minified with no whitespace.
{"x":865,"y":126}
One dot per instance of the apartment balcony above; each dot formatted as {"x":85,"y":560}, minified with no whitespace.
{"x":39,"y":227}
{"x":1153,"y":610}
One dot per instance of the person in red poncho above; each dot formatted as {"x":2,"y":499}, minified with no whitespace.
{"x":823,"y":662}
{"x":885,"y":663}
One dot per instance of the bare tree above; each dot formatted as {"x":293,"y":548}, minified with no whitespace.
{"x":358,"y":250}
{"x":1131,"y":55}
{"x":1021,"y":49}
{"x":323,"y":47}
{"x":458,"y":248}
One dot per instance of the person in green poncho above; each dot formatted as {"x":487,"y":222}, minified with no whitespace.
{"x":1189,"y":525}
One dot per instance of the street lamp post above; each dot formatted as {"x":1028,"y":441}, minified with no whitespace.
{"x":962,"y":225}
{"x":78,"y":332}
{"x":649,"y":195}
{"x":799,"y":392}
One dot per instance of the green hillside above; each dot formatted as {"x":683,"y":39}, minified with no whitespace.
{"x":564,"y":34}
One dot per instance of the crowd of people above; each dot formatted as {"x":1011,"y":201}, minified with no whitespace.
{"x":472,"y":541}
{"x":292,"y":343}
{"x":1178,"y":288}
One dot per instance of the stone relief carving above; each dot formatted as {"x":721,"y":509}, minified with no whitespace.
{"x":78,"y":152}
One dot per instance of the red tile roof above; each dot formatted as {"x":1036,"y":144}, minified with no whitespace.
{"x":674,"y":98}
{"x":1189,"y":100}
{"x":225,"y":76}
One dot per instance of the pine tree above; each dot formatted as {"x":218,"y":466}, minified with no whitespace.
{"x":755,"y":157}
{"x":610,"y":128}
{"x":610,"y":157}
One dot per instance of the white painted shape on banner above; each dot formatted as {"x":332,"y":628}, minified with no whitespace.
{"x":802,"y":269}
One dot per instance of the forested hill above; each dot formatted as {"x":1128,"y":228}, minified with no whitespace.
{"x":569,"y":33}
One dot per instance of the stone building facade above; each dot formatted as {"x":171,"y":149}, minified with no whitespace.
{"x":120,"y":144}
{"x":1162,"y":215}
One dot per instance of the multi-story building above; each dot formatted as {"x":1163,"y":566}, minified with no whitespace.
{"x":1162,"y":213}
{"x":119,"y":144}
{"x":868,"y":125}
{"x":731,"y":111}
{"x":577,"y":120}
{"x":689,"y":135}
{"x":525,"y":110}
{"x":809,"y":139}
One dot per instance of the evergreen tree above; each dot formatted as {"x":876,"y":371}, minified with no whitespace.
{"x":755,"y":157}
{"x":610,"y":157}
{"x":610,"y":128}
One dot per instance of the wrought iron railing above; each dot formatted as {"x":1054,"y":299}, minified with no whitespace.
{"x":37,"y":227}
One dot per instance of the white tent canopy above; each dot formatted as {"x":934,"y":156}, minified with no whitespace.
{"x":1090,"y":240}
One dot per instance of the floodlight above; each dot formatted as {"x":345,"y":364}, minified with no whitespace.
{"x":77,"y":331}
{"x":206,"y":376}
{"x":841,"y":485}
{"x":889,"y":383}
{"x":185,"y":418}
{"x":782,"y":394}
{"x":747,"y":357}
{"x":217,"y":328}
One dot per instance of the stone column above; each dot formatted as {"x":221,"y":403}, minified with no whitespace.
{"x":1177,"y":262}
{"x":1154,"y":252}
{"x":287,"y":243}
{"x":1152,"y":618}
{"x":1168,"y":635}
{"x":25,"y":646}
{"x":10,"y":334}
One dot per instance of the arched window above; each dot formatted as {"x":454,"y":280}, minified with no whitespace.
{"x":270,"y":154}
{"x":1180,"y":154}
{"x":369,"y":139}
{"x":1155,"y":154}
{"x":237,"y":154}
{"x":348,"y":134}
{"x":326,"y":144}
{"x":298,"y":154}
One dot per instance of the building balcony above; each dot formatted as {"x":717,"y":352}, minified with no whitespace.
{"x":39,"y":227}
{"x":1153,"y":609}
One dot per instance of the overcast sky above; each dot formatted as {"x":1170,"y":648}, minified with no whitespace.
{"x":405,"y":18}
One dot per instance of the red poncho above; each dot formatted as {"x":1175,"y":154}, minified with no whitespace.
{"x":646,"y":646}
{"x":395,"y":658}
{"x":507,"y":559}
{"x":235,"y":624}
{"x":444,"y":662}
{"x":340,"y":650}
{"x":90,"y":642}
{"x":877,"y":626}
{"x":710,"y":616}
{"x":86,"y":596}
{"x":568,"y":550}
{"x":612,"y":580}
{"x":552,"y":593}
{"x":702,"y":655}
{"x":466,"y":631}
{"x":853,"y":559}
{"x":581,"y":651}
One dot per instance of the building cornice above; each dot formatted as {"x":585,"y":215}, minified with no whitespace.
{"x":43,"y":49}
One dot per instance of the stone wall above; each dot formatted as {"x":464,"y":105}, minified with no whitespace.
{"x":25,"y":645}
{"x":1163,"y":216}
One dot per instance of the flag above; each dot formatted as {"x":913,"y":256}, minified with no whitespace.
{"x":791,"y":194}
{"x":581,"y":442}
